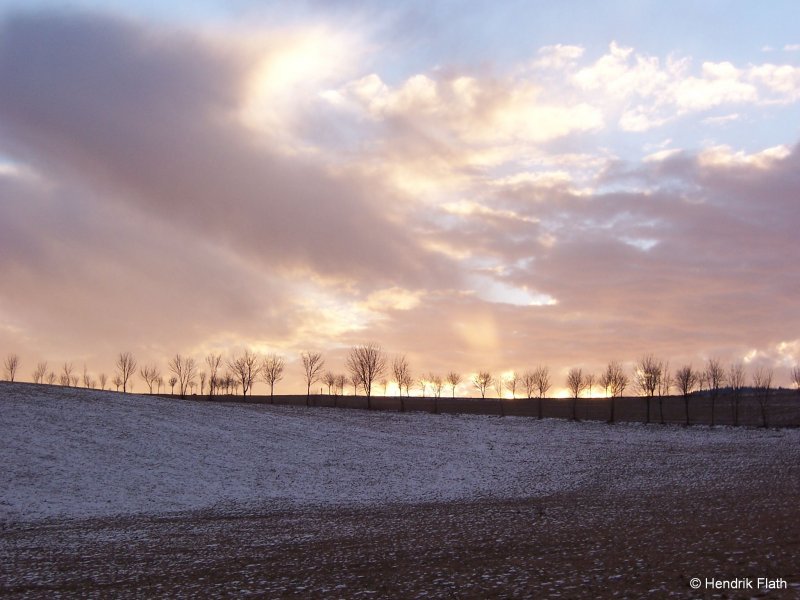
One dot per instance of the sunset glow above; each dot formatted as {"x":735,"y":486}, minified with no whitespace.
{"x":478,"y":187}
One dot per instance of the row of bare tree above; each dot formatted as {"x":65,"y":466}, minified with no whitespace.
{"x":368,"y":365}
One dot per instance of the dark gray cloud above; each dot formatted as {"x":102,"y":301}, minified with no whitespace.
{"x":147,"y":118}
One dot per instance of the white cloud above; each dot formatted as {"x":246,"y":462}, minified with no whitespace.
{"x":557,"y":56}
{"x":723,"y":119}
{"x":662,"y":155}
{"x":725,"y":156}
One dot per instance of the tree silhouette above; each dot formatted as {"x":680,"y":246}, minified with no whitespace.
{"x":213,"y":362}
{"x":648,"y":378}
{"x":272,"y":372}
{"x":11,"y":365}
{"x":368,"y":363}
{"x":66,"y":375}
{"x":762,"y":381}
{"x":313,"y":364}
{"x":246,"y":368}
{"x":614,"y":380}
{"x":402,"y":375}
{"x":482,"y":380}
{"x":575,"y":385}
{"x":329,"y":379}
{"x":126,"y":366}
{"x":149,"y":374}
{"x":715,"y":377}
{"x":40,"y":372}
{"x":184,"y":370}
{"x":736,"y":381}
{"x":453,"y":379}
{"x":512,"y":383}
{"x":686,"y":379}
{"x":437,"y":383}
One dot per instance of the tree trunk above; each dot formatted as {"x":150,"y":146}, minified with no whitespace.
{"x":713,"y":405}
{"x":686,"y":402}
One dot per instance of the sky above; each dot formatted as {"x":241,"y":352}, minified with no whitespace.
{"x":476,"y":185}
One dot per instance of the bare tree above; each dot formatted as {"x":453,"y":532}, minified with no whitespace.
{"x":542,"y":377}
{"x":736,"y":381}
{"x":150,"y":374}
{"x":40,"y":372}
{"x":482,"y":380}
{"x":589,"y":380}
{"x":126,"y":366}
{"x":686,"y":379}
{"x":313,"y":364}
{"x":74,"y":380}
{"x":437,"y":384}
{"x":543,"y":384}
{"x":575,"y":384}
{"x":272,"y":372}
{"x":213,"y":362}
{"x":172,"y":381}
{"x":185,"y":370}
{"x":368,"y":362}
{"x":715,"y":376}
{"x":51,"y":378}
{"x":11,"y":365}
{"x":498,"y":384}
{"x":762,"y":381}
{"x":384,"y":384}
{"x":401,"y":372}
{"x":454,"y":379}
{"x":103,"y":380}
{"x":87,"y":380}
{"x":329,"y":379}
{"x":665,"y":383}
{"x":422,"y":382}
{"x":529,"y":384}
{"x":117,"y":381}
{"x":355,"y":381}
{"x":614,"y":380}
{"x":246,"y":368}
{"x":512,"y":383}
{"x":66,"y":375}
{"x":160,"y":382}
{"x":341,"y":380}
{"x":648,"y":378}
{"x":796,"y":377}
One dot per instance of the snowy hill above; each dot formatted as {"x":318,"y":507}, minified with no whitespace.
{"x":67,"y":452}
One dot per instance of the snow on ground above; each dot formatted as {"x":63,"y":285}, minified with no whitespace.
{"x":82,"y":453}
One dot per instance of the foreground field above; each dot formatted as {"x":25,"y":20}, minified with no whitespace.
{"x":127,"y":495}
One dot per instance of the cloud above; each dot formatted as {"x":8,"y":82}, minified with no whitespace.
{"x":115,"y":103}
{"x":164,"y":190}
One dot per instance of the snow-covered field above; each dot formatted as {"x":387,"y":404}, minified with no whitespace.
{"x":78,"y":453}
